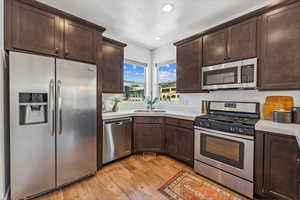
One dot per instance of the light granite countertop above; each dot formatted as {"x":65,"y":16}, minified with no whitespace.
{"x":280,"y":128}
{"x":173,"y":114}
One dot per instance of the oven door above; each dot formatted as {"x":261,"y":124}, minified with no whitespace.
{"x":224,"y":76}
{"x":225,"y":151}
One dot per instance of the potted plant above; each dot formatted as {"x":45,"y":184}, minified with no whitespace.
{"x":150,"y":102}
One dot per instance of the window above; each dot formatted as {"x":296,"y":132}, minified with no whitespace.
{"x":167,"y":81}
{"x":134,"y":80}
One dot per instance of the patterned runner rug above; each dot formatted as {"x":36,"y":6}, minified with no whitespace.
{"x":187,"y":186}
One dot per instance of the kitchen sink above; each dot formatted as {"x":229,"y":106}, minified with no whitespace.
{"x":148,"y":111}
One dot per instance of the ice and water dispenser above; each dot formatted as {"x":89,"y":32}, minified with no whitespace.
{"x":33,"y":108}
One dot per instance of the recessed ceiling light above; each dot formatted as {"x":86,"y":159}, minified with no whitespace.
{"x":157,"y":38}
{"x":168,"y":7}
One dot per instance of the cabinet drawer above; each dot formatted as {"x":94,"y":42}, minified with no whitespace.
{"x":180,"y":123}
{"x":148,"y":120}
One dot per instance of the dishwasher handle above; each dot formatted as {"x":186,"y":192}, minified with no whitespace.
{"x":118,"y":122}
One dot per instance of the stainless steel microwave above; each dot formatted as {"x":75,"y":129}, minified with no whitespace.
{"x":235,"y":75}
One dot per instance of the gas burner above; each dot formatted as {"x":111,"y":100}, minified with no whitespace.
{"x":221,"y":119}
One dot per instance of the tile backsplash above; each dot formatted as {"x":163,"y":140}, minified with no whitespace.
{"x":192,"y":102}
{"x":124,"y":106}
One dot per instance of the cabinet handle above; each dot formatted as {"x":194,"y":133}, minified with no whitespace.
{"x":56,"y":50}
{"x":298,"y":161}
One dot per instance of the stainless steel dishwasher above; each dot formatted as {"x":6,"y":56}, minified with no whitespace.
{"x":117,"y":136}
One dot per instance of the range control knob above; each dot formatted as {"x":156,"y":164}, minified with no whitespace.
{"x":206,"y":124}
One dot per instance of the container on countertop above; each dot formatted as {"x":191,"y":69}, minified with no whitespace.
{"x":282,"y":116}
{"x":296,"y":115}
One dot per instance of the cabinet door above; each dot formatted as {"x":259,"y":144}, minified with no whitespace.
{"x":189,"y":64}
{"x":242,"y":40}
{"x":79,"y":42}
{"x":35,"y":30}
{"x":215,"y":47}
{"x":148,"y":137}
{"x":259,"y":163}
{"x":280,"y":167}
{"x":185,"y":142}
{"x":171,"y":140}
{"x":112,"y":68}
{"x":279,"y":64}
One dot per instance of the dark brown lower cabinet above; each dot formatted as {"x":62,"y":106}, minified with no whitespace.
{"x":148,"y":137}
{"x":174,"y":137}
{"x":170,"y":140}
{"x":179,"y":143}
{"x":280,"y":167}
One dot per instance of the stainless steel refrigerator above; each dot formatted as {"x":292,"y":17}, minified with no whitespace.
{"x":52,"y":123}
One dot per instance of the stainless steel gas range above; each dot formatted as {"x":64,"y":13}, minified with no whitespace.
{"x":224,"y":144}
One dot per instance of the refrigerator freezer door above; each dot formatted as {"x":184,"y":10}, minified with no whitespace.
{"x":32,"y":145}
{"x":76,"y":120}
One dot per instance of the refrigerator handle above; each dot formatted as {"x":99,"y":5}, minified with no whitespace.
{"x":59,"y":107}
{"x":51,"y":108}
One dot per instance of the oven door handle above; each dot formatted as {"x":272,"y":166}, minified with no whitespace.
{"x":224,"y":134}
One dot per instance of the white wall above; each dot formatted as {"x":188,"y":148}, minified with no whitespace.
{"x":2,"y":178}
{"x":160,"y":55}
{"x":192,"y":102}
{"x":133,"y":52}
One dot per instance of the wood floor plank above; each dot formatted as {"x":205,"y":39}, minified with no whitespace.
{"x":134,"y":178}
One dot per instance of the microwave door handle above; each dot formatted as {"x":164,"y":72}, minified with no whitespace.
{"x":59,"y":107}
{"x":51,"y":107}
{"x":239,"y":74}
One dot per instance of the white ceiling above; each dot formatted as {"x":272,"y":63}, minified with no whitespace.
{"x":140,"y":21}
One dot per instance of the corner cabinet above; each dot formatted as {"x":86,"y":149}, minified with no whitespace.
{"x":236,"y":42}
{"x":277,"y":166}
{"x":189,"y":64}
{"x":148,"y":134}
{"x":112,"y":66}
{"x":280,"y":46}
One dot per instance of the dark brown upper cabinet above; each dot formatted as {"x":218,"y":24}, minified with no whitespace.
{"x":242,"y":40}
{"x":79,"y":42}
{"x":230,"y":44}
{"x":31,"y":26}
{"x":112,"y":66}
{"x":35,"y":30}
{"x":215,"y":47}
{"x":277,"y":168}
{"x":280,"y":47}
{"x":189,"y":64}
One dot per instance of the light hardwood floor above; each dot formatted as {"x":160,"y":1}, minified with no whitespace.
{"x":135,"y":178}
